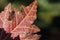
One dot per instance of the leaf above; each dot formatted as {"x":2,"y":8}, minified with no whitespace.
{"x":20,"y":22}
{"x":25,"y":26}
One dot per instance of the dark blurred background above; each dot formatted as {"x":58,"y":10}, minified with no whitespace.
{"x":48,"y":16}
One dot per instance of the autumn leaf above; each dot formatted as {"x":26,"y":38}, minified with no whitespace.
{"x":20,"y":22}
{"x":25,"y":27}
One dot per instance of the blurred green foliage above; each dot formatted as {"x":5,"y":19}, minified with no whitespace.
{"x":15,"y":3}
{"x":3,"y":3}
{"x":47,"y":10}
{"x":18,"y":3}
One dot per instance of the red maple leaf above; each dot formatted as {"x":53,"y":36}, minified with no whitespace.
{"x":20,"y":22}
